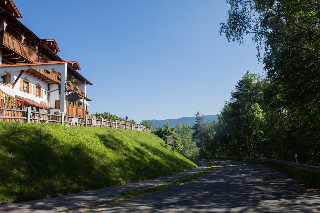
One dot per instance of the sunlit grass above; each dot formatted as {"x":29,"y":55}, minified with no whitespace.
{"x":39,"y":160}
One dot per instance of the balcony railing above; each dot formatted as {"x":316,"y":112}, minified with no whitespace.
{"x":77,"y":90}
{"x":15,"y":45}
{"x":46,"y":75}
{"x":72,"y":110}
{"x":76,"y":111}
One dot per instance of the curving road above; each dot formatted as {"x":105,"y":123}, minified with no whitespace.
{"x":235,"y":187}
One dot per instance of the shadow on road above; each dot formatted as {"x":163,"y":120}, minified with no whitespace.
{"x":235,"y":187}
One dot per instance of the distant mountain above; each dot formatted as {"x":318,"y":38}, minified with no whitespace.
{"x":184,"y":120}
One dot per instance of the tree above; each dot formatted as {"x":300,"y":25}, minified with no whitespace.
{"x":147,"y":124}
{"x":189,"y":148}
{"x":241,"y":123}
{"x":108,"y":115}
{"x":167,"y":131}
{"x":288,"y":34}
{"x":196,"y":135}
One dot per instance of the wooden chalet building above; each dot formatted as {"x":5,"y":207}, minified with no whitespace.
{"x":32,"y":72}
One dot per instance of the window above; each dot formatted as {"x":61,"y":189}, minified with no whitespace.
{"x":38,"y":90}
{"x":25,"y":86}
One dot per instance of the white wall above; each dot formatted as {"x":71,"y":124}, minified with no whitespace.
{"x":50,"y":91}
{"x":82,"y":87}
{"x":15,"y":91}
{"x":53,"y":95}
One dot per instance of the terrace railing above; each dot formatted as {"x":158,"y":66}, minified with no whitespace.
{"x":13,"y":110}
{"x":16,"y":46}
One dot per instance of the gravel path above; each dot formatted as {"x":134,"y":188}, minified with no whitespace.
{"x":235,"y":187}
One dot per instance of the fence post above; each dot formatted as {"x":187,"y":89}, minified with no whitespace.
{"x":116,"y":124}
{"x":28,"y":114}
{"x":62,"y":118}
{"x":85,"y":120}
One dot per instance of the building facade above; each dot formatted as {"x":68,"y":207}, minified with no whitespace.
{"x":37,"y":84}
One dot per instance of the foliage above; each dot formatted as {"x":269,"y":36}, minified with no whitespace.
{"x":285,"y":119}
{"x":239,"y":127}
{"x":147,"y":124}
{"x":190,"y":121}
{"x":167,"y":131}
{"x":40,"y":160}
{"x":108,"y":115}
{"x":196,"y":136}
{"x":253,"y":124}
{"x":189,"y":148}
{"x":203,"y":132}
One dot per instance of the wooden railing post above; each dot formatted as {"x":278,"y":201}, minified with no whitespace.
{"x":62,"y":118}
{"x":28,"y":114}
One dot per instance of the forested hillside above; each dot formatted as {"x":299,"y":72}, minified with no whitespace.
{"x":189,"y":121}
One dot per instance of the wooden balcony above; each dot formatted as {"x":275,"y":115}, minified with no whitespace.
{"x":77,"y":90}
{"x":17,"y":47}
{"x":51,"y":77}
{"x":76,"y":111}
{"x":73,"y":110}
{"x":45,"y":75}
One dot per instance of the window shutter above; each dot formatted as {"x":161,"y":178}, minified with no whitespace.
{"x":7,"y":79}
{"x":41,"y":92}
{"x":21,"y":85}
{"x":30,"y":88}
{"x":34,"y":90}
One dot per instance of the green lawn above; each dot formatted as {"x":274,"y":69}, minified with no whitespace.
{"x":40,"y":160}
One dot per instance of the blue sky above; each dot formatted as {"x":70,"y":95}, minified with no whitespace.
{"x":147,"y":59}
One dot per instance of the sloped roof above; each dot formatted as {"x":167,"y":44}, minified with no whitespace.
{"x":31,"y":103}
{"x":52,"y":44}
{"x":11,"y":8}
{"x":74,"y":64}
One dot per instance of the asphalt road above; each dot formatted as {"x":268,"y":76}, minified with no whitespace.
{"x":235,"y":187}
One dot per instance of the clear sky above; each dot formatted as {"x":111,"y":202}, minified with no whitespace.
{"x":147,"y":59}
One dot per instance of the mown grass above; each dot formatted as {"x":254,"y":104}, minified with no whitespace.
{"x":40,"y":160}
{"x":309,"y":178}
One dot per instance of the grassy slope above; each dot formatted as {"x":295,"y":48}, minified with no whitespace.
{"x":37,"y":160}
